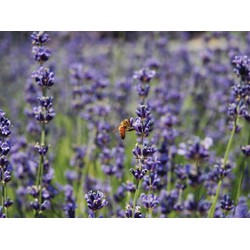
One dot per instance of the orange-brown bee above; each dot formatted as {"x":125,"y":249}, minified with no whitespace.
{"x":124,"y":127}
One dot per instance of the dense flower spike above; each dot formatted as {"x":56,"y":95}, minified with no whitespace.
{"x":43,"y":113}
{"x":4,"y":125}
{"x":5,"y":166}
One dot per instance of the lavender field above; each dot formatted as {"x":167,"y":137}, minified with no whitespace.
{"x":124,"y":124}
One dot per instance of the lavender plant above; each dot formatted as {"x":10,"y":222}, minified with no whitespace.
{"x":143,"y":126}
{"x":43,"y":114}
{"x":5,"y":166}
{"x":237,"y":109}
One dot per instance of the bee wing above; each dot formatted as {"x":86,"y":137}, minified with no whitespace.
{"x":115,"y":129}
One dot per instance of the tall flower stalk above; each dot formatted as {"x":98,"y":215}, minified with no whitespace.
{"x":143,"y":126}
{"x":237,"y":109}
{"x":43,"y":114}
{"x":5,"y":167}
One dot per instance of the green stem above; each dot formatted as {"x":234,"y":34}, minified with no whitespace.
{"x":79,"y":131}
{"x":79,"y":197}
{"x":4,"y":193}
{"x":2,"y":173}
{"x":149,"y":213}
{"x":5,"y":197}
{"x":169,"y":178}
{"x":180,"y":196}
{"x":41,"y":162}
{"x":111,"y":190}
{"x":240,"y":185}
{"x":136,"y":195}
{"x":212,"y":209}
{"x":171,"y":169}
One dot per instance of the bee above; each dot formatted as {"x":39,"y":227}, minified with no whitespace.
{"x":124,"y":126}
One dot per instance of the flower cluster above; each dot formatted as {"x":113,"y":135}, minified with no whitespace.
{"x":95,"y":200}
{"x":240,"y":92}
{"x":144,"y":76}
{"x":5,"y":166}
{"x":242,"y":67}
{"x":143,"y":123}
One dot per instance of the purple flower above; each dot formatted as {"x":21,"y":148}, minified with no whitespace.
{"x":70,"y":176}
{"x":143,"y":90}
{"x":129,"y":212}
{"x":43,"y":113}
{"x":120,"y":193}
{"x":143,"y":112}
{"x":41,"y":54}
{"x":109,"y":169}
{"x":44,"y":77}
{"x":78,"y":157}
{"x":95,"y":200}
{"x":138,"y":213}
{"x":242,"y":210}
{"x":4,"y":125}
{"x":246,"y":150}
{"x":42,"y":150}
{"x":143,"y":128}
{"x":242,"y":68}
{"x":227,"y":203}
{"x":219,"y":172}
{"x":144,"y":152}
{"x":39,"y":38}
{"x":204,"y":206}
{"x":138,"y":173}
{"x":152,"y":164}
{"x":149,"y":201}
{"x":197,"y":149}
{"x":151,"y":182}
{"x":8,"y":202}
{"x":70,"y":205}
{"x":5,"y":166}
{"x":5,"y":148}
{"x":69,"y":209}
{"x":144,"y":75}
{"x":129,"y":186}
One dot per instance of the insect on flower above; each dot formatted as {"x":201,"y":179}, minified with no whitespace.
{"x":125,"y":125}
